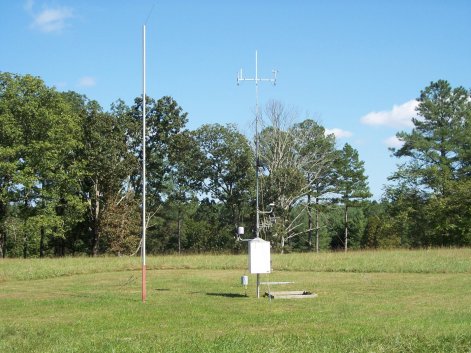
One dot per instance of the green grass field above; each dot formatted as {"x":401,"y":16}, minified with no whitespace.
{"x":385,"y":301}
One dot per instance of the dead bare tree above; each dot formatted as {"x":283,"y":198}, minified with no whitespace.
{"x":293,"y":158}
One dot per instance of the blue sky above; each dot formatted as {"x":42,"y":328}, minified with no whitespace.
{"x":354,"y":66}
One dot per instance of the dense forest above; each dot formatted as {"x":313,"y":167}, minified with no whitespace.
{"x":70,"y":178}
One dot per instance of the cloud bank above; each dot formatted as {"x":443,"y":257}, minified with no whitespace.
{"x":398,"y":116}
{"x":28,"y":6}
{"x":49,"y":20}
{"x":393,"y":142}
{"x":338,"y":133}
{"x":87,"y":81}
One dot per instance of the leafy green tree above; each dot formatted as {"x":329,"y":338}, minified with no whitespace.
{"x":381,"y":230}
{"x":456,"y":230}
{"x":164,"y":121}
{"x":184,"y":182}
{"x":14,"y":231}
{"x":357,"y":225}
{"x":11,"y":145}
{"x":404,"y":208}
{"x":437,"y":163}
{"x":351,"y":183}
{"x":227,"y":168}
{"x":435,"y":145}
{"x":40,"y":140}
{"x":107,"y":165}
{"x":217,"y":234}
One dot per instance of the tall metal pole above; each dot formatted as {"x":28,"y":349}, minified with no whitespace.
{"x":240,"y":77}
{"x":257,"y":164}
{"x":144,"y":225}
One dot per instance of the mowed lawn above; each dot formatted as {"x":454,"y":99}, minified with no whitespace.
{"x":385,"y":301}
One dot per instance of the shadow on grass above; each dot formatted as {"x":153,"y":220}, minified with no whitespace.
{"x":227,"y":295}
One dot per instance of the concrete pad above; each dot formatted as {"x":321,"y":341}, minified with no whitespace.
{"x":293,"y":294}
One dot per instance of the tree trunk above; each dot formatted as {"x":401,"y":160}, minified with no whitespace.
{"x":96,"y":215}
{"x":3,"y":241}
{"x":95,"y":237}
{"x":59,"y":247}
{"x":25,"y":247}
{"x":62,"y":247}
{"x":25,"y":237}
{"x":179,"y":227}
{"x":3,"y":232}
{"x":346,"y":228}
{"x":41,"y":242}
{"x":282,"y":244}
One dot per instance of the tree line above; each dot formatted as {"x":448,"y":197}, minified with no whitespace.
{"x":71,"y":180}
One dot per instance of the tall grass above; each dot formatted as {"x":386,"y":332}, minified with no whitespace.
{"x":394,"y":261}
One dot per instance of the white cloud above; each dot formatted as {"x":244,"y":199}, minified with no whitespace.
{"x":338,"y":133}
{"x":87,"y":81}
{"x":49,"y":19}
{"x":28,"y":6}
{"x":61,"y":85}
{"x":394,"y":142}
{"x":399,"y":116}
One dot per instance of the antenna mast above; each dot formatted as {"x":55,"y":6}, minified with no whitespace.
{"x":144,"y":223}
{"x":256,"y":79}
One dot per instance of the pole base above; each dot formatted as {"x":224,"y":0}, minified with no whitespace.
{"x":144,"y":292}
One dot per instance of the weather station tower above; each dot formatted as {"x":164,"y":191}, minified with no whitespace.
{"x":259,"y":249}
